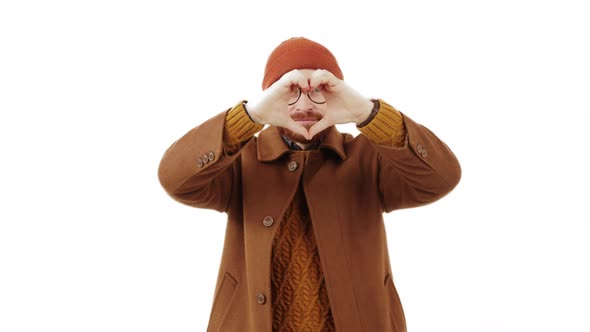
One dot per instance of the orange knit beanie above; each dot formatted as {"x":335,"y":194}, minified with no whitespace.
{"x":298,"y":53}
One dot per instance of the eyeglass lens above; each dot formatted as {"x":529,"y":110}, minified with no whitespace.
{"x":315,"y":96}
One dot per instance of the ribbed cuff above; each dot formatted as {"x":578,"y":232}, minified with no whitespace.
{"x":238,"y":128}
{"x":387,"y":127}
{"x":372,"y":115}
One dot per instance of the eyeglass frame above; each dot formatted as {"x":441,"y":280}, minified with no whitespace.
{"x":308,"y":96}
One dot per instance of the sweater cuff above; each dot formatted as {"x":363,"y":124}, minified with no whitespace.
{"x":238,"y":128}
{"x":387,"y":127}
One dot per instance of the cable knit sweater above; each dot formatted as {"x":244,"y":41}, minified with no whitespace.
{"x":299,"y":298}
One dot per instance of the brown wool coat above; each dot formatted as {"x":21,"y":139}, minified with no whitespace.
{"x":349,"y":182}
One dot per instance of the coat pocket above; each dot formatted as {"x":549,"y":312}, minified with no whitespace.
{"x":396,"y":312}
{"x":222,"y":301}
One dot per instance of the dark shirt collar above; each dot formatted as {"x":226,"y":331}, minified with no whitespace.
{"x":293,"y":146}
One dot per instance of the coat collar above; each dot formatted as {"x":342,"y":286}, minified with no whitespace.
{"x":271,"y":146}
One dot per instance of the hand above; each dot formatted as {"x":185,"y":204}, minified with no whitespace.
{"x":272,"y":106}
{"x":344,"y":104}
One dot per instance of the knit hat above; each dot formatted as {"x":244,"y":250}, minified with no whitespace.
{"x":298,"y":53}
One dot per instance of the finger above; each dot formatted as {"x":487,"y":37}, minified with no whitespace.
{"x":321,"y":77}
{"x":319,"y":126}
{"x":296,"y":78}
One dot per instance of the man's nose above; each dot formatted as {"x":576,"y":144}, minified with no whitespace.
{"x":303,"y":104}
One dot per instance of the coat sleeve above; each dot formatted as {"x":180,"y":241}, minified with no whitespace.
{"x":416,"y":170}
{"x":198,"y":168}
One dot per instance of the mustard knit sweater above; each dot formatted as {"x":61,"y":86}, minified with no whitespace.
{"x":299,"y":298}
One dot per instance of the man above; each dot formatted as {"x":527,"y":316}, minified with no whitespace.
{"x":305,"y":245}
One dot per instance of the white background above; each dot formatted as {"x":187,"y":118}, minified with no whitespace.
{"x":93,"y":92}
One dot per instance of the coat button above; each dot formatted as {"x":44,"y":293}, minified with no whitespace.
{"x":260,"y":298}
{"x":199,"y":163}
{"x":267,"y":221}
{"x":205,"y":158}
{"x":292,"y":165}
{"x":211,"y":155}
{"x":424,"y":153}
{"x":419,"y":148}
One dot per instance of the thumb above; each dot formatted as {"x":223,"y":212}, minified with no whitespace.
{"x":319,"y":126}
{"x":297,"y":128}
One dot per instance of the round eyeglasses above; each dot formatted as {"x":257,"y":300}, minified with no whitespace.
{"x":314,"y":95}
